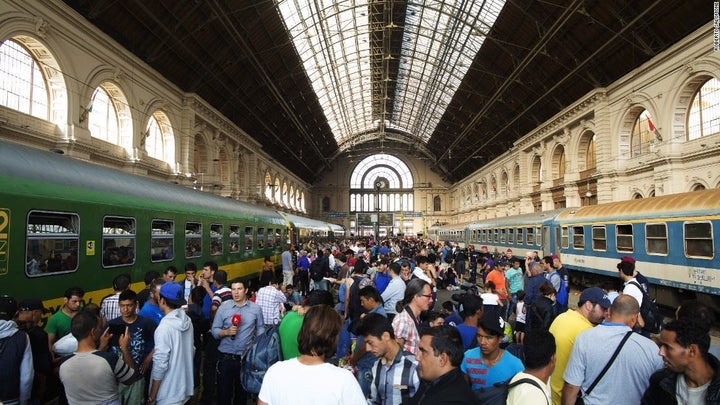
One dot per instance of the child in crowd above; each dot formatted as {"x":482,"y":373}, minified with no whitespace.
{"x":491,"y":301}
{"x":520,"y":318}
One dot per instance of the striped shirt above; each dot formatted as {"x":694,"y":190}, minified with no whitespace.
{"x":389,"y":380}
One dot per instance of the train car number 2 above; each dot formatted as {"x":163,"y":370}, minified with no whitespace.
{"x":4,"y":245}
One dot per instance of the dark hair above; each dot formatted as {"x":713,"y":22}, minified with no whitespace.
{"x":375,"y":325}
{"x":213,"y":265}
{"x":626,"y":268}
{"x":319,"y":297}
{"x":521,"y":295}
{"x":446,"y":339}
{"x":93,"y":309}
{"x":238,"y":280}
{"x":170,"y":269}
{"x":82,"y":324}
{"x":220,"y":277}
{"x":489,"y":284}
{"x":448,"y":306}
{"x":74,"y":292}
{"x":610,"y":285}
{"x":395,"y":268}
{"x":190,"y":266}
{"x":433,"y":315}
{"x":538,"y":348}
{"x":547,"y":289}
{"x":371,"y":293}
{"x":548,"y":259}
{"x":121,"y":282}
{"x":150,"y":276}
{"x":157,"y":283}
{"x":197,"y":294}
{"x":471,"y":303}
{"x":421,"y":259}
{"x":701,"y":313}
{"x":414,"y":288}
{"x":127,"y":295}
{"x":319,"y":331}
{"x":688,"y":332}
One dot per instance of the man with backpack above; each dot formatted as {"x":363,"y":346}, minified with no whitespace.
{"x":650,"y":319}
{"x":394,"y":367}
{"x":530,"y":386}
{"x":561,"y":292}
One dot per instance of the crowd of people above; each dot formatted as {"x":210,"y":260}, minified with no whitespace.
{"x":358,"y":322}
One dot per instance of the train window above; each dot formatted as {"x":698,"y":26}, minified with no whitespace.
{"x":193,"y":239}
{"x":698,"y":239}
{"x":624,"y":237}
{"x":270,"y":238}
{"x":519,"y":236}
{"x":248,"y":238}
{"x":52,"y":243}
{"x":495,"y":235}
{"x":538,"y":237}
{"x":656,"y":239}
{"x":564,"y":241}
{"x":234,"y":239}
{"x":599,"y":241}
{"x":483,"y":236}
{"x":502,"y":235}
{"x":511,"y":235}
{"x":278,"y":237}
{"x":162,"y":240}
{"x":261,"y":238}
{"x":529,"y":236}
{"x":578,"y":237}
{"x":216,"y":239}
{"x":118,"y":241}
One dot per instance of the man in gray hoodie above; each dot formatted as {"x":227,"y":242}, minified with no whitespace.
{"x":172,"y":372}
{"x":17,"y":372}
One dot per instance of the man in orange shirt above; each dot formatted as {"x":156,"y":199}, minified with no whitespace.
{"x":497,"y":276}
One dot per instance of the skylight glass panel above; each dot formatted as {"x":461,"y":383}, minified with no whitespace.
{"x":332,"y":40}
{"x":440,"y":42}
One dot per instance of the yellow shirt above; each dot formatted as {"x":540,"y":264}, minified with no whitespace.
{"x":564,"y":328}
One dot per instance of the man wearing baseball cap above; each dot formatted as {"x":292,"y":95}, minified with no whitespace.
{"x":172,"y":371}
{"x":16,"y":377}
{"x":488,"y":364}
{"x":591,"y":309}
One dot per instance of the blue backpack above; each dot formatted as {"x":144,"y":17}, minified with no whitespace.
{"x":562,"y":294}
{"x":263,"y":353}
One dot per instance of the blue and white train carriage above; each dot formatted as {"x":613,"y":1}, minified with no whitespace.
{"x":673,"y":238}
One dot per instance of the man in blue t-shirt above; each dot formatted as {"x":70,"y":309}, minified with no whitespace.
{"x":489,"y":364}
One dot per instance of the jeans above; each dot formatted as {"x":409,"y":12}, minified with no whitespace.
{"x":228,"y":380}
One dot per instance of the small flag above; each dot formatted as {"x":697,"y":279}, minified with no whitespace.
{"x":651,"y":127}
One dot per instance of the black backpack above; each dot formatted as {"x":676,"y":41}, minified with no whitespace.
{"x":650,"y":312}
{"x":498,"y":393}
{"x":316,"y":270}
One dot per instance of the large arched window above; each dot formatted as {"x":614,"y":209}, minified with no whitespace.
{"x":590,"y":159}
{"x":269,"y":186}
{"x":704,"y":115}
{"x":22,"y":84}
{"x":109,"y":116}
{"x":159,"y":138}
{"x":641,"y":134}
{"x":381,"y":183}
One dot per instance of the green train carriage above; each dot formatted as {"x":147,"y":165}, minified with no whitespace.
{"x":65,"y":223}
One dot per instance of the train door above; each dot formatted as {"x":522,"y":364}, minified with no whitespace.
{"x":556,"y":241}
{"x":548,"y":243}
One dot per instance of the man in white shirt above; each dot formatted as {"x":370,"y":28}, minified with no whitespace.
{"x":532,"y":385}
{"x":626,"y":270}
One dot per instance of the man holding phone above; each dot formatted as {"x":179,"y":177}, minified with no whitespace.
{"x":141,"y":331}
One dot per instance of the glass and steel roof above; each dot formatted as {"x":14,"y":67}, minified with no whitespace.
{"x":341,"y":44}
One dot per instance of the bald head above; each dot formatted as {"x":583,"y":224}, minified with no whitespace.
{"x":537,"y":268}
{"x":625,"y":309}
